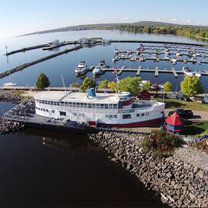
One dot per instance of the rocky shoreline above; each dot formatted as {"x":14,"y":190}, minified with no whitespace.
{"x":7,"y":126}
{"x":9,"y":97}
{"x":179,"y":183}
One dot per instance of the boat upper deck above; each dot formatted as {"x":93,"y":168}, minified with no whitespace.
{"x":61,"y":96}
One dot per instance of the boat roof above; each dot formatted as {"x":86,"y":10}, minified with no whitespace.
{"x":76,"y":97}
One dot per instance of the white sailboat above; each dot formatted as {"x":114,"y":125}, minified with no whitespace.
{"x":9,"y":84}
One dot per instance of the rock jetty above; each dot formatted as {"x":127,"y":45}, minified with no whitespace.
{"x":9,"y":97}
{"x":7,"y":126}
{"x":179,"y":183}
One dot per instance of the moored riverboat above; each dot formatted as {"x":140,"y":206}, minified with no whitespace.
{"x":99,"y":109}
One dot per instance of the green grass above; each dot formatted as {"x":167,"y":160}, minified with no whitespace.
{"x":189,"y":105}
{"x":195,"y":128}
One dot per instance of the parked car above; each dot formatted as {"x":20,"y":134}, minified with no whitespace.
{"x":182,"y":113}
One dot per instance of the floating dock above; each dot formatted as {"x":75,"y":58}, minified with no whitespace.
{"x":156,"y":71}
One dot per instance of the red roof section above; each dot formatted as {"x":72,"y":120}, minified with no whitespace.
{"x":144,"y":94}
{"x":175,"y":120}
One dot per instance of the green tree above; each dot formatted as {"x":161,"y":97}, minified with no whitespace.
{"x":167,"y":87}
{"x":131,"y":85}
{"x":147,"y":86}
{"x":74,"y":84}
{"x":191,"y":86}
{"x":86,"y":84}
{"x":42,"y":81}
{"x":103,"y":84}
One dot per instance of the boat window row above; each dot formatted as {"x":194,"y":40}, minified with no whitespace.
{"x":81,"y":105}
{"x":111,"y":116}
{"x":142,"y":114}
{"x":46,"y":110}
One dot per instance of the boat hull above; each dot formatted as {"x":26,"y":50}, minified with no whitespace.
{"x":152,"y":122}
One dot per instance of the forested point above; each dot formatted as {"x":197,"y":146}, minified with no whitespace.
{"x":188,"y":31}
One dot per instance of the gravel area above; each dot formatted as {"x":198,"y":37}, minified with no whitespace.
{"x":193,"y":156}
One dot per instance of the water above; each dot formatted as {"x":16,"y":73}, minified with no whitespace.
{"x":34,"y":173}
{"x":66,"y":63}
{"x":52,"y":169}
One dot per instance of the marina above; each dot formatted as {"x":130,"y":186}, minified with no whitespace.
{"x":75,"y":164}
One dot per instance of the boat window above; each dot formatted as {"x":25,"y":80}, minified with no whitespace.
{"x":62,"y":113}
{"x":81,"y":105}
{"x":74,"y":104}
{"x":138,"y":115}
{"x":126,"y":116}
{"x":89,"y":105}
{"x":85,"y":105}
{"x":93,"y":105}
{"x":70,"y":104}
{"x":97,"y":105}
{"x":110,"y":105}
{"x":115,"y":116}
{"x":62,"y":103}
{"x":147,"y":113}
{"x":111,"y":116}
{"x":106,"y":116}
{"x":106,"y":105}
{"x":114,"y":105}
{"x":78,"y":104}
{"x":142,"y":114}
{"x":53,"y":111}
{"x":102,"y":105}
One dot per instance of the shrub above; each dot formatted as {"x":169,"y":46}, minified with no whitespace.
{"x":161,"y":142}
{"x":147,"y":144}
{"x":157,"y":154}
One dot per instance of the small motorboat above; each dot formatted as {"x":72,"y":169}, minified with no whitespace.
{"x":98,"y":70}
{"x":81,"y":68}
{"x":102,"y":64}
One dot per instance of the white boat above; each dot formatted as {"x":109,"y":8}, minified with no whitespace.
{"x":178,"y":53}
{"x":102,"y":64}
{"x":81,"y":68}
{"x":98,"y":70}
{"x":187,"y":72}
{"x":174,"y":60}
{"x":101,"y":109}
{"x":9,"y":84}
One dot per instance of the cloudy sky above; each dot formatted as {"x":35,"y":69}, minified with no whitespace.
{"x":19,"y":17}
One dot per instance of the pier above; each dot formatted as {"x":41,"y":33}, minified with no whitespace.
{"x":23,"y":66}
{"x":44,"y":46}
{"x":156,"y":71}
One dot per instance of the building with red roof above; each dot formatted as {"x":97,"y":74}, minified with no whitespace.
{"x":174,"y":123}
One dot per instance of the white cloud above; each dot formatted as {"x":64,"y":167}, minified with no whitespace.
{"x":174,"y":20}
{"x":125,"y":18}
{"x":157,"y":19}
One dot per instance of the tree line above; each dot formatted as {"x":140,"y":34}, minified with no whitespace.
{"x":188,"y":31}
{"x":191,"y":85}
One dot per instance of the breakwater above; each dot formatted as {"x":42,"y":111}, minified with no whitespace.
{"x":44,"y":46}
{"x":179,"y":183}
{"x":10,"y":126}
{"x":9,"y":97}
{"x":23,"y":66}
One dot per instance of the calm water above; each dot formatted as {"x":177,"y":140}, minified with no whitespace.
{"x":66,"y":64}
{"x":34,"y":171}
{"x":41,"y":168}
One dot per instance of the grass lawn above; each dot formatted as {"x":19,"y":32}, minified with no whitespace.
{"x":195,"y":128}
{"x":188,"y":105}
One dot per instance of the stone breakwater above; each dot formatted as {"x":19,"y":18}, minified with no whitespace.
{"x":7,"y":126}
{"x":180,"y":183}
{"x":9,"y":97}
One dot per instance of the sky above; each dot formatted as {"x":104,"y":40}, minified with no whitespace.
{"x":18,"y":17}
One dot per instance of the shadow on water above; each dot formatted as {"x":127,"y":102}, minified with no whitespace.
{"x":43,"y":168}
